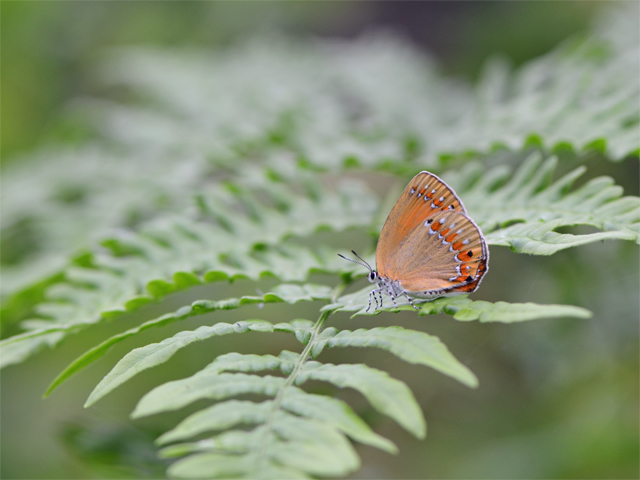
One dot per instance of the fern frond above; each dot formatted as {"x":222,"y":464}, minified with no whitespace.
{"x":231,"y":375}
{"x":154,"y":354}
{"x":74,"y":197}
{"x":464,"y":309}
{"x":538,"y":207}
{"x":387,"y":395}
{"x":232,"y":190}
{"x":541,"y":239}
{"x":408,"y":345}
{"x":573,"y":97}
{"x":381,"y":92}
{"x":329,"y":410}
{"x":291,"y":448}
{"x":271,"y":441}
{"x":175,"y":253}
{"x":583,"y":95}
{"x":461,"y":308}
{"x":161,"y":352}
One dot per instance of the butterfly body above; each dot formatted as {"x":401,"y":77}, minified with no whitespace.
{"x":429,"y":247}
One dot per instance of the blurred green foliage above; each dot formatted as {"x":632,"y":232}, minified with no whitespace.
{"x":47,"y":47}
{"x":558,"y":399}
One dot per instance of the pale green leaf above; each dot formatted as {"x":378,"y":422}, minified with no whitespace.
{"x":538,"y":206}
{"x":410,"y":346}
{"x":465,"y":310}
{"x":281,"y":293}
{"x":312,"y":446}
{"x":211,"y":383}
{"x":485,"y":311}
{"x":325,"y":409}
{"x":20,"y":347}
{"x":540,"y":239}
{"x":143,"y":358}
{"x":333,"y":411}
{"x":389,"y":396}
{"x":159,"y":254}
{"x":301,"y":444}
{"x":213,"y":465}
{"x":204,"y":384}
{"x":209,"y":465}
{"x":232,"y":441}
{"x":221,"y":416}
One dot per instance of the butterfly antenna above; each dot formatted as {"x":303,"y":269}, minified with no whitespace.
{"x":363,"y":260}
{"x":363,"y":263}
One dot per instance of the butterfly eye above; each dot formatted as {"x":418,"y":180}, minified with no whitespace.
{"x":372,"y":276}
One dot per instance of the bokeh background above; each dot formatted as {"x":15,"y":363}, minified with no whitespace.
{"x":558,"y":398}
{"x":48,"y":47}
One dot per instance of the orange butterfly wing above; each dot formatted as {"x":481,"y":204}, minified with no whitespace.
{"x":429,"y":244}
{"x":425,"y":196}
{"x":445,"y":255}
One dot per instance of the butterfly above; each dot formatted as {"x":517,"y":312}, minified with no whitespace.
{"x":429,"y":247}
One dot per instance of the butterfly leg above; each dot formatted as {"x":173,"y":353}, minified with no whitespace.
{"x":373,"y":292}
{"x":393,"y":297}
{"x":411,"y":301}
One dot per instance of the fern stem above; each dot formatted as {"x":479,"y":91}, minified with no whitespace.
{"x":277,"y":403}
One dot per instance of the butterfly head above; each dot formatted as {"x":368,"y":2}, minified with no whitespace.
{"x":383,"y":284}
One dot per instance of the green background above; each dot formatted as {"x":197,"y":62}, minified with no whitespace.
{"x":539,"y":381}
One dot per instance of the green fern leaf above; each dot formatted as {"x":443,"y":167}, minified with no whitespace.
{"x":387,"y":395}
{"x":212,"y":465}
{"x":540,"y":206}
{"x":220,"y":416}
{"x":573,"y":97}
{"x":309,"y":446}
{"x":583,"y":95}
{"x":18,"y":348}
{"x":465,"y":310}
{"x":410,"y":346}
{"x":302,"y":442}
{"x":540,"y":239}
{"x":133,"y":237}
{"x":327,"y":410}
{"x":154,"y":354}
{"x":149,"y":356}
{"x":332,"y":411}
{"x":281,"y":293}
{"x":390,"y":397}
{"x":160,"y":256}
{"x":205,"y":384}
{"x":601,"y":113}
{"x":461,"y":308}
